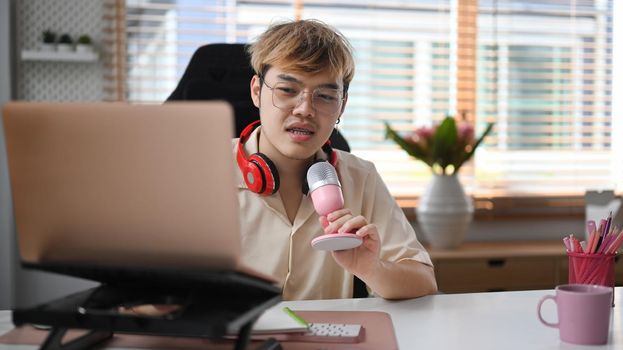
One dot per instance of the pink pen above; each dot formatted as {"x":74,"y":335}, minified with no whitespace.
{"x":613,"y":246}
{"x":603,"y":230}
{"x":582,"y":247}
{"x":590,"y":227}
{"x":608,"y":223}
{"x":617,"y":243}
{"x":608,"y":239}
{"x":605,"y":243}
{"x":594,"y":238}
{"x":590,"y":242}
{"x":565,"y":240}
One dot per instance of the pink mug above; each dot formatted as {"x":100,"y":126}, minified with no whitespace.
{"x":583,"y":313}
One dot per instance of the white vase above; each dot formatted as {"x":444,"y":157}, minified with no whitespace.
{"x":444,"y":212}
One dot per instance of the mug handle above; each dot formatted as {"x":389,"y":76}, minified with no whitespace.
{"x":538,"y":311}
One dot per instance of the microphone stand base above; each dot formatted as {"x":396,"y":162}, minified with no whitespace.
{"x":336,"y":241}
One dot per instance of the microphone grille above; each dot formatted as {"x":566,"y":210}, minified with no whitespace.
{"x":320,"y":174}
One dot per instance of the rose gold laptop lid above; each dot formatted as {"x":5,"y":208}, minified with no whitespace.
{"x":110,"y":184}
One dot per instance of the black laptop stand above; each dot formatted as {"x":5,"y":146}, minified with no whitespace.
{"x":206,"y":305}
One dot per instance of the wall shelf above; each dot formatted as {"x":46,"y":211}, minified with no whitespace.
{"x":73,"y":56}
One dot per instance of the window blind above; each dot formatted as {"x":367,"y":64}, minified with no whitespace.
{"x":540,"y":70}
{"x":545,"y":79}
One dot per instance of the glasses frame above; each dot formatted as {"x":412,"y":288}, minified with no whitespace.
{"x":300,"y":97}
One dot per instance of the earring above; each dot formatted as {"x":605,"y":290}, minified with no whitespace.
{"x":338,"y":120}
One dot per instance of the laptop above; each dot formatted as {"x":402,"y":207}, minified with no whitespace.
{"x":114,"y":192}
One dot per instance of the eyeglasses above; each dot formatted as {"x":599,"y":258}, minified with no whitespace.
{"x":288,"y":95}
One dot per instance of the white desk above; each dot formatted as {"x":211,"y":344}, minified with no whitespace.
{"x":501,"y":320}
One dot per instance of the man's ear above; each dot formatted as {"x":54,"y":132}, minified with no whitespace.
{"x":256,"y":88}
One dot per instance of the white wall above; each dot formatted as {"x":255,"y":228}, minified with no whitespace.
{"x":59,"y":81}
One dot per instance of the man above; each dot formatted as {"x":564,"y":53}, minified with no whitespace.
{"x":303,"y":70}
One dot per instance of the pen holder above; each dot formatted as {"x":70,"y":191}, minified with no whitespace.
{"x":592,"y":269}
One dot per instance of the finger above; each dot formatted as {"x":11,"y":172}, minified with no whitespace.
{"x":353,"y":224}
{"x":368,"y":230}
{"x":323,"y":221}
{"x":333,"y":216}
{"x":337,"y":224}
{"x":372,"y":240}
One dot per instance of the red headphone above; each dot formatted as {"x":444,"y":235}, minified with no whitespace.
{"x":258,"y":171}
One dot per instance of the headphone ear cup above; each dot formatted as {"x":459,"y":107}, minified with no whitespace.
{"x":254,"y":177}
{"x":268,"y":172}
{"x":258,"y":171}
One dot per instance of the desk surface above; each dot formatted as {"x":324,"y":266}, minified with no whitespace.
{"x":500,"y":320}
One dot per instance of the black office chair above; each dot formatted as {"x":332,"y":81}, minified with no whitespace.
{"x":223,"y":72}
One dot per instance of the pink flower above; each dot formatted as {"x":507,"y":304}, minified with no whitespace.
{"x":422,"y":136}
{"x":444,"y":147}
{"x":466,"y":133}
{"x":425,"y":133}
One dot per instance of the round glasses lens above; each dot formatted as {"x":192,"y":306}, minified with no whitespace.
{"x":289,"y":95}
{"x":327,"y":100}
{"x":286,"y":95}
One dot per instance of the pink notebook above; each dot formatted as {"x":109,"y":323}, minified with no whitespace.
{"x":378,"y":334}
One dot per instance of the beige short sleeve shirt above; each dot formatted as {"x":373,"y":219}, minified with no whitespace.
{"x":273,"y":245}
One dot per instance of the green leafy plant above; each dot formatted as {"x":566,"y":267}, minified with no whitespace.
{"x":48,"y":37}
{"x":65,"y":39}
{"x":444,"y":147}
{"x":85,"y":40}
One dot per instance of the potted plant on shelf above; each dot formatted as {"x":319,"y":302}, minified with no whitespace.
{"x":84,"y":44}
{"x":65,"y":43}
{"x":48,"y":40}
{"x":444,"y":212}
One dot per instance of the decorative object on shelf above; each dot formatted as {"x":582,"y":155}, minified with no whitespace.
{"x":48,"y":41}
{"x":84,"y":44}
{"x":444,"y":211}
{"x":65,"y":43}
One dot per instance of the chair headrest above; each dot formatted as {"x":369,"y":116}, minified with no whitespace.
{"x":218,"y":65}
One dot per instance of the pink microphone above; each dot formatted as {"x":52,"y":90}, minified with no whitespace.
{"x":326,"y":194}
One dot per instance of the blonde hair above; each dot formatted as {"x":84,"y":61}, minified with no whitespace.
{"x":306,"y":46}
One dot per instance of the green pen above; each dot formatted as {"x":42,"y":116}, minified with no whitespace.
{"x":296,"y":317}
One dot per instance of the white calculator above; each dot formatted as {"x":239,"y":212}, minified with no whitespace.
{"x":319,"y":333}
{"x":331,"y":333}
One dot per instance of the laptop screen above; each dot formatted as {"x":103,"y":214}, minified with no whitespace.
{"x":115,"y":185}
